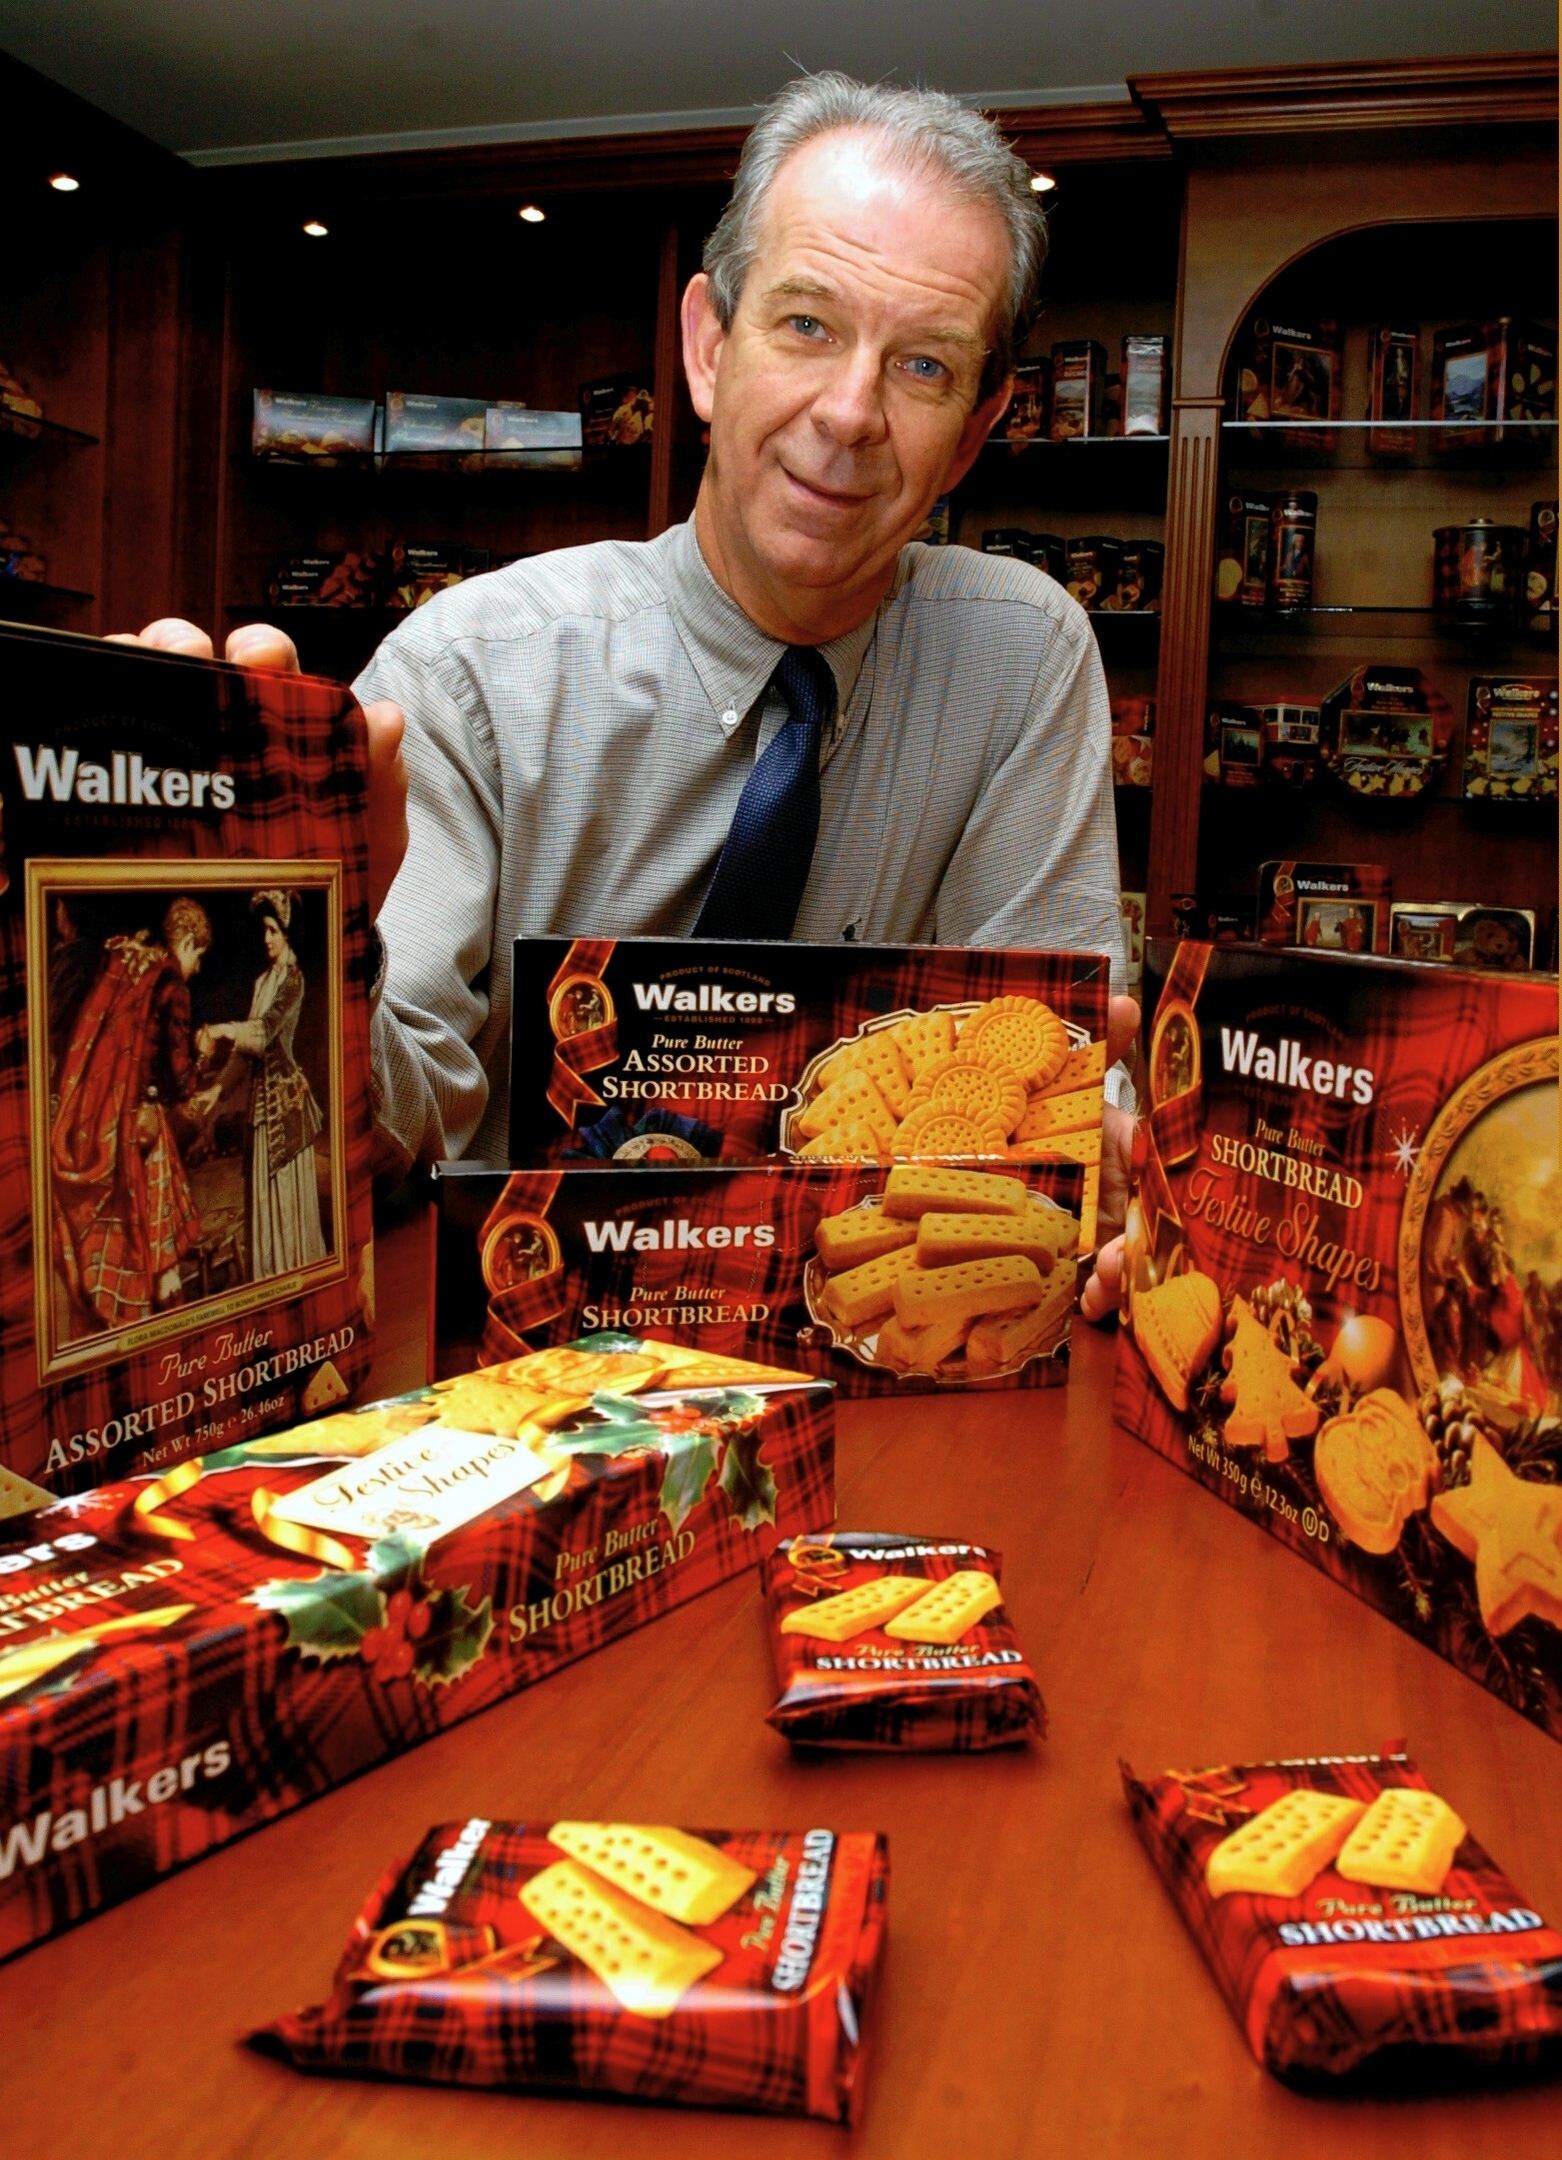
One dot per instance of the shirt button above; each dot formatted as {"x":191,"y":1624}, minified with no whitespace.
{"x":729,"y":718}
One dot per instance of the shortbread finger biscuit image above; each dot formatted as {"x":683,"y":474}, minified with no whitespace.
{"x":1177,"y":1325}
{"x":926,"y":1295}
{"x":685,"y":1877}
{"x":1027,"y":1035}
{"x":1082,"y":1068}
{"x":649,"y":1963}
{"x":863,"y":1233}
{"x":866,"y":1292}
{"x":1406,"y":1841}
{"x":945,"y":1240}
{"x":1078,"y":1111}
{"x":1279,"y":1852}
{"x":853,"y":1612}
{"x":921,"y":1349}
{"x":949,"y":1610}
{"x":994,"y":1345}
{"x":911,"y":1189}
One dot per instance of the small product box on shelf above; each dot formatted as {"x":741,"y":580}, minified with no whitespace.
{"x":1234,"y":744}
{"x":1242,"y":570}
{"x":1141,"y":565}
{"x":1385,"y":732}
{"x":1078,"y":389}
{"x":1510,"y":739}
{"x":184,"y":1102}
{"x":1133,"y":742}
{"x":1484,"y":374}
{"x":1465,"y":932}
{"x":617,"y":412}
{"x":438,"y":427}
{"x":291,"y":426}
{"x":1146,"y":378}
{"x":1029,"y":412}
{"x":1291,"y":744}
{"x":1095,"y":562}
{"x":1328,"y":907}
{"x":1292,"y":371}
{"x":914,"y":1279}
{"x":1393,"y":391}
{"x":1341,"y":1278}
{"x":1540,"y":577}
{"x":186,"y":1657}
{"x":351,"y":579}
{"x":419,"y":569}
{"x":514,"y":433}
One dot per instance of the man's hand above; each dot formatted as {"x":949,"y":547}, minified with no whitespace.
{"x":1117,"y":1140}
{"x":259,"y":645}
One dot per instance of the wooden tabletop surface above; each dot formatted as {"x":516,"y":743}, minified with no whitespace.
{"x":1041,"y":1996}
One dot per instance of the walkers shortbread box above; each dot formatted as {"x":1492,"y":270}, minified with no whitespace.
{"x":910,"y":1279}
{"x":641,"y":1050}
{"x":185,"y":1657}
{"x":186,"y":1254}
{"x":1343,"y":1283}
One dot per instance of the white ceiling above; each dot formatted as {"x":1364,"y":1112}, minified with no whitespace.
{"x":216,"y":79}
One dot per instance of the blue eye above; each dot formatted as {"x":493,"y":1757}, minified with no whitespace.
{"x":926,"y":370}
{"x":807,"y":325}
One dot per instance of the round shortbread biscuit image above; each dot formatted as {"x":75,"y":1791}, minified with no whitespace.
{"x":1021,"y":1033}
{"x":980,"y":1087}
{"x":931,"y":1131}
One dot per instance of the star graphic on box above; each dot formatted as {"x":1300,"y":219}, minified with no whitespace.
{"x":1405,"y":1148}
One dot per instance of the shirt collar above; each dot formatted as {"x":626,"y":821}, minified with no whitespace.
{"x":732,"y":656}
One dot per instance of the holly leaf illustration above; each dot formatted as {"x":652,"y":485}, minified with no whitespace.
{"x":327,"y":1615}
{"x":747,"y":1482}
{"x":457,"y":1637}
{"x":691,"y":1457}
{"x":396,"y":1561}
{"x":619,"y":1409}
{"x":610,"y":1438}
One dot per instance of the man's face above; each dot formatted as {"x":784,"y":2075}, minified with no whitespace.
{"x":843,"y":400}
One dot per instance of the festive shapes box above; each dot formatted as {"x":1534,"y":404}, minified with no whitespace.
{"x":186,"y":1246}
{"x":185,"y":1657}
{"x":1343,"y":1283}
{"x":648,"y":1051}
{"x":914,"y":1279}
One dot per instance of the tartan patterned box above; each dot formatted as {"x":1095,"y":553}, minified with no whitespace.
{"x":186,"y":1255}
{"x":186,"y":1657}
{"x":1343,"y":1283}
{"x":666,"y":1052}
{"x":741,"y":1262}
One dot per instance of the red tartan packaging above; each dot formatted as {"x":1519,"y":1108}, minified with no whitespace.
{"x":186,"y":1255}
{"x":861,"y":1275}
{"x":895,"y":1642}
{"x":1343,"y":1283}
{"x":659,"y":1053}
{"x":707,"y":1968}
{"x":186,"y":1657}
{"x":1354,"y":1926}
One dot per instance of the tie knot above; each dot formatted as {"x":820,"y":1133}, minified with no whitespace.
{"x":804,"y":679}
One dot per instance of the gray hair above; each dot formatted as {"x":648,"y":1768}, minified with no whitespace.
{"x":924,"y":131}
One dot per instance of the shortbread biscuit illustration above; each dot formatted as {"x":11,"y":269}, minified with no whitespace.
{"x":1027,"y":1035}
{"x":1375,"y":1468}
{"x":923,"y":1037}
{"x":949,"y":1610}
{"x":1511,"y":1527}
{"x":980,"y":1087}
{"x":685,"y":1877}
{"x":19,"y":1496}
{"x":850,"y":1099}
{"x":1268,"y":1409}
{"x":911,"y":1189}
{"x":880,"y":1058}
{"x":1080,"y":1147}
{"x":584,"y":1372}
{"x":922,"y":1349}
{"x":1084,"y":1067}
{"x":924,"y":1296}
{"x":1177,"y":1326}
{"x":1406,"y":1841}
{"x":852,"y":1140}
{"x":929,"y":1130}
{"x":325,"y":1388}
{"x":1058,"y":1227}
{"x":1078,"y":1111}
{"x":853,"y":1612}
{"x":1279,"y":1852}
{"x":994,"y":1345}
{"x":845,"y":1241}
{"x":945,"y":1240}
{"x":650,"y":1963}
{"x":484,"y":1403}
{"x":864,"y":1293}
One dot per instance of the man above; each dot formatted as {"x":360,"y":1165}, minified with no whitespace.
{"x":780,"y":719}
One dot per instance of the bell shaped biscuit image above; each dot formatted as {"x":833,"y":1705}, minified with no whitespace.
{"x":685,"y":1877}
{"x":1177,"y":1327}
{"x":1279,"y":1852}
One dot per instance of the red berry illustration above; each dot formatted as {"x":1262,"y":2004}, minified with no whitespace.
{"x":373,"y":1643}
{"x":396,"y":1663}
{"x":418,"y":1621}
{"x":400,"y":1604}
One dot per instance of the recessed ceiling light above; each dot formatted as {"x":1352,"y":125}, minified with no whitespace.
{"x":67,"y":183}
{"x":316,"y":230}
{"x":532,"y":214}
{"x":1042,"y":183}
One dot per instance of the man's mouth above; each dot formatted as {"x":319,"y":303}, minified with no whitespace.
{"x":827,"y":497}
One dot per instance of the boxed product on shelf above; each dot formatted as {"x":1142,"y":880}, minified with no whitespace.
{"x":1293,"y":536}
{"x":1078,"y":387}
{"x":1044,"y":551}
{"x":1467,"y":932}
{"x":185,"y":1122}
{"x":617,"y":411}
{"x":1423,"y":930}
{"x":1242,"y":567}
{"x":1141,"y":566}
{"x":1328,"y":907}
{"x":1028,"y":414}
{"x":1133,"y":908}
{"x":1146,"y":380}
{"x":416,"y":423}
{"x":1540,"y":575}
{"x":1234,"y":739}
{"x":1393,"y":388}
{"x":419,"y":569}
{"x":1385,"y":732}
{"x":907,"y":1280}
{"x":349,"y":579}
{"x":1484,"y":374}
{"x":544,"y":439}
{"x":307,"y":426}
{"x":1510,"y":739}
{"x":1479,"y":572}
{"x":653,"y":1050}
{"x":1292,"y":371}
{"x":1094,"y":562}
{"x":1133,"y":742}
{"x":186,"y":1657}
{"x":1342,"y":1281}
{"x":637,"y":1961}
{"x":1290,"y":744}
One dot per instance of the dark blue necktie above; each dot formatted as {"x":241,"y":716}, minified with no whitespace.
{"x":758,"y":886}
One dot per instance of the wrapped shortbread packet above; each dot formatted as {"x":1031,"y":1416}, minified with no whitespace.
{"x":710,"y":1968}
{"x":895,"y":1642}
{"x":1352,"y":1923}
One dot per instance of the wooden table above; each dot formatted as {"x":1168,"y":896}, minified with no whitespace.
{"x":1042,"y":1996}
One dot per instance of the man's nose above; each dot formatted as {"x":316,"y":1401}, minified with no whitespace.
{"x":850,"y":407}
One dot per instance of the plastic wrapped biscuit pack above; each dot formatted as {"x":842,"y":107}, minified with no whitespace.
{"x":711,"y":1968}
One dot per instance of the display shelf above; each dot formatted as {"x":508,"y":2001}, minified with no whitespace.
{"x":23,"y":429}
{"x":1301,"y":446}
{"x":397,"y":464}
{"x":1282,"y":631}
{"x":12,"y":589}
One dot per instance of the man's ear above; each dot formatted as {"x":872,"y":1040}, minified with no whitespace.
{"x":975,"y":432}
{"x":703,"y":339}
